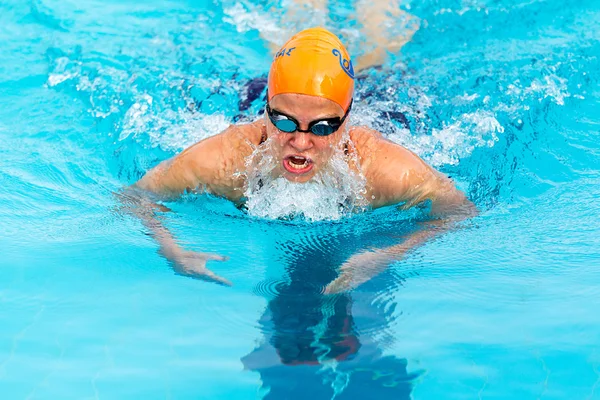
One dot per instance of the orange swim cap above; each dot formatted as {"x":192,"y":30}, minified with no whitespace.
{"x":313,"y":62}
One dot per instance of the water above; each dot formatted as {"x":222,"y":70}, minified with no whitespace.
{"x":501,"y":95}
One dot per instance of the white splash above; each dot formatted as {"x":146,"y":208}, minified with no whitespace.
{"x":464,"y":99}
{"x":246,"y":19}
{"x":62,"y":72}
{"x":170,"y":130}
{"x":334,"y":192}
{"x":447,"y":146}
{"x":552,"y":86}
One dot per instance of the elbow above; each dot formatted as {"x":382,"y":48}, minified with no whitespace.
{"x":468,"y":209}
{"x":456,"y":207}
{"x":145,"y":184}
{"x":154,"y":180}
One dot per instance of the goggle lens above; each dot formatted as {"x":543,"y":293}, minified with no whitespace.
{"x":319,"y":128}
{"x":322,"y":129}
{"x":286,"y":125}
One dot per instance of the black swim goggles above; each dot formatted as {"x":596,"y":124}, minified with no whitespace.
{"x":320,"y":127}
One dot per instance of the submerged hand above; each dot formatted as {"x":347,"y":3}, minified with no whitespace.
{"x":341,"y":284}
{"x":193,"y":264}
{"x":358,"y":269}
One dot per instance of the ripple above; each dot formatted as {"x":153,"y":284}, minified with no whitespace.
{"x":268,"y":288}
{"x":501,"y":97}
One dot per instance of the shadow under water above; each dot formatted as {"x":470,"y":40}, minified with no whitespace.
{"x":312,"y":347}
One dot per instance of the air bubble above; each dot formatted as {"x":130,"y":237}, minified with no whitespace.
{"x":332,"y":193}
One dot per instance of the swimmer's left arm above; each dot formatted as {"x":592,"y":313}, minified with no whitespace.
{"x":363,"y":266}
{"x":396,"y":175}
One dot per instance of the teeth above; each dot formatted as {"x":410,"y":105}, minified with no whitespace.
{"x":298,"y":166}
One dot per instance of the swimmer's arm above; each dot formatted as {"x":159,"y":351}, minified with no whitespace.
{"x":395,"y":175}
{"x":363,"y":266}
{"x":208,"y":164}
{"x":187,"y":263}
{"x":403,"y":177}
{"x":212,"y":164}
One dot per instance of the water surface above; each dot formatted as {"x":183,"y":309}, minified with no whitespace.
{"x":500,"y":95}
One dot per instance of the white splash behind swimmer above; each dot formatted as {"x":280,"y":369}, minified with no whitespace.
{"x":332,"y":193}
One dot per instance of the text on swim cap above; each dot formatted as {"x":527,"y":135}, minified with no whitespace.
{"x":345,"y":64}
{"x":284,"y":52}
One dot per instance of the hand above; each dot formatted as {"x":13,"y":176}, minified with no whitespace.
{"x":341,"y":284}
{"x":358,"y":269}
{"x":193,"y":264}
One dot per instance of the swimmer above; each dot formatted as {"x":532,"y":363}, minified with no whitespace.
{"x":309,"y":97}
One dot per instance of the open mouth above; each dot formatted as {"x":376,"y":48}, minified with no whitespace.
{"x":297,"y":164}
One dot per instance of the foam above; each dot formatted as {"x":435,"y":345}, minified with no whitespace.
{"x":61,"y":72}
{"x":552,"y":86}
{"x":457,"y":140}
{"x":249,"y":18}
{"x":334,"y":192}
{"x":151,"y":118}
{"x":168,"y":129}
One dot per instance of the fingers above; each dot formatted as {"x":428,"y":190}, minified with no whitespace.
{"x":342,"y":283}
{"x":193,"y":264}
{"x":205,"y":274}
{"x":209,"y":275}
{"x":216,"y":257}
{"x":330,"y":289}
{"x":207,"y":256}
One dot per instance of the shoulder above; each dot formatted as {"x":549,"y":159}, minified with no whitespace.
{"x":235,"y":141}
{"x":392,"y":171}
{"x":245,"y":134}
{"x":213,"y":163}
{"x":375,"y":151}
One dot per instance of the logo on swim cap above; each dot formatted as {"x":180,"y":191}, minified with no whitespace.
{"x":284,"y":52}
{"x":345,"y":64}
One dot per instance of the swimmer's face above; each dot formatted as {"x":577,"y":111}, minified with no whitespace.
{"x":301,"y":155}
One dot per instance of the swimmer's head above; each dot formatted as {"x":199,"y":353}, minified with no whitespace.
{"x":313,"y":62}
{"x":311,"y":83}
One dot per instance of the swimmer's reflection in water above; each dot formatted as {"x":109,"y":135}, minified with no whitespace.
{"x":312,"y":349}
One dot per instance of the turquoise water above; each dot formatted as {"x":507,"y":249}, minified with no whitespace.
{"x":501,"y":95}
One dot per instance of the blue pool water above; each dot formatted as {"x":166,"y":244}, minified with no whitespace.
{"x":501,"y":95}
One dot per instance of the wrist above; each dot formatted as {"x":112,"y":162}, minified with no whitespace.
{"x":171,"y":252}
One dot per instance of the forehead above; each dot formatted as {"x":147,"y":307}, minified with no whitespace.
{"x":305,"y":106}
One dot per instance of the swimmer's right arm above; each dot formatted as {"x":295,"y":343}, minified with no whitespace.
{"x":187,"y":263}
{"x":211,"y":164}
{"x":207,"y":163}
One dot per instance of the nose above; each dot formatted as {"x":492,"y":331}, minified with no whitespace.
{"x":301,"y":141}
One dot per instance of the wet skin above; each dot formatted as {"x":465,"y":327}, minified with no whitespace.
{"x":218,"y":164}
{"x":394,"y":174}
{"x":298,"y":149}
